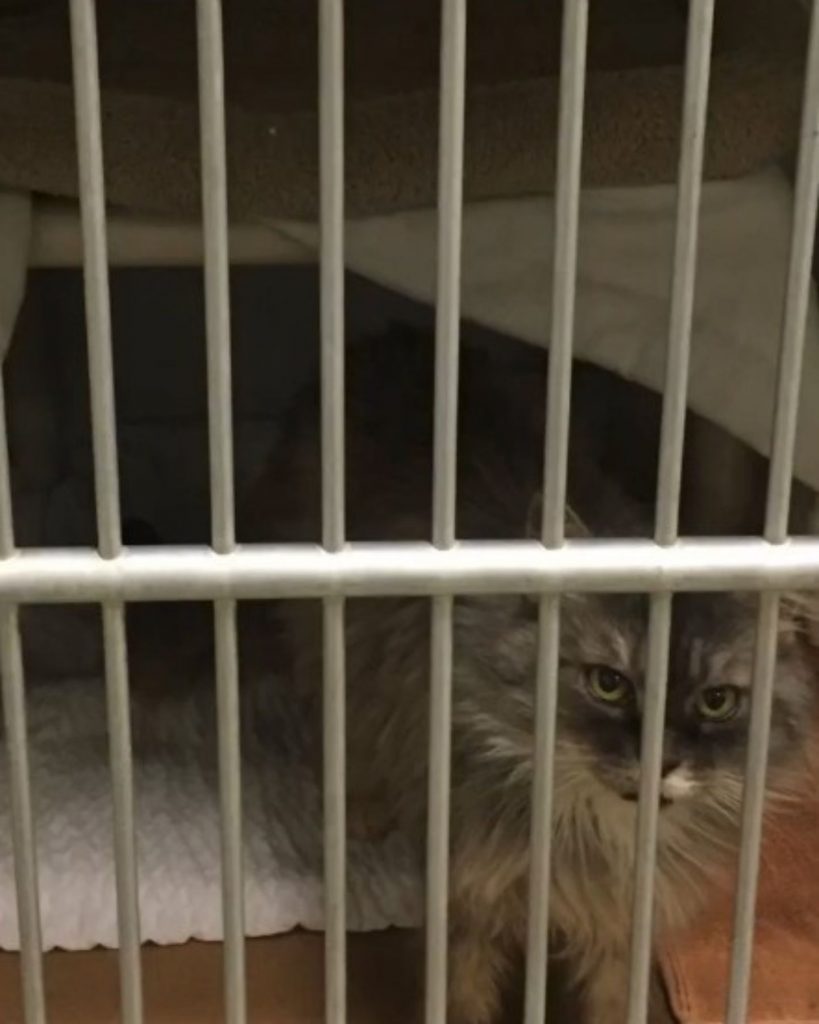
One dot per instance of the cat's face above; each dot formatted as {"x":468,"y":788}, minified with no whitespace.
{"x":708,"y":705}
{"x":602,"y":696}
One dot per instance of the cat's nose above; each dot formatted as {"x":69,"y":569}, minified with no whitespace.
{"x":670,"y":764}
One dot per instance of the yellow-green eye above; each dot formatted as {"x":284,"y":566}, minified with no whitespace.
{"x":608,"y":685}
{"x":718,"y":703}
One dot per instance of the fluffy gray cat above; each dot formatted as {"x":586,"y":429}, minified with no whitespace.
{"x":602,"y":658}
{"x":389,"y":431}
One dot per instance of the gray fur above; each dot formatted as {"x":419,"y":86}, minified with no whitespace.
{"x":596,"y":774}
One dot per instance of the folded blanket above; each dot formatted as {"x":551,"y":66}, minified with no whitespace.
{"x":623,"y":288}
{"x":178,"y":826}
{"x":785,"y":983}
{"x":150,"y":113}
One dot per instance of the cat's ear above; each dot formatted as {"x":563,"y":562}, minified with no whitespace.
{"x":799,"y":615}
{"x":576,"y":529}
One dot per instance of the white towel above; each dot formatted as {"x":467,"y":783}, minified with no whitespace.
{"x":623,"y":288}
{"x":178,"y":827}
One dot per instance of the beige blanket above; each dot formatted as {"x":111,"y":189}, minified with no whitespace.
{"x":148,"y":64}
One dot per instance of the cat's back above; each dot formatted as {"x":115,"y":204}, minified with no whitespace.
{"x":389,"y":431}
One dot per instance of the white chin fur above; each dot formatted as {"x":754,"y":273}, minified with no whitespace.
{"x":678,"y":784}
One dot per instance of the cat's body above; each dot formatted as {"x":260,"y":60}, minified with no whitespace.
{"x":389,"y":436}
{"x":596,"y":776}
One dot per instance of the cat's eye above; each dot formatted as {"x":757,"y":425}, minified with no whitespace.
{"x":718,"y":703}
{"x":608,"y":685}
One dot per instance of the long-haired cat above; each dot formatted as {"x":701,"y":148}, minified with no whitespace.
{"x":601,"y":686}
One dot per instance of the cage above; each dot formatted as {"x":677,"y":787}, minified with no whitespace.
{"x":434,"y":177}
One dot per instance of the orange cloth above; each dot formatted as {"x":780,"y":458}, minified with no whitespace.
{"x":785,"y":985}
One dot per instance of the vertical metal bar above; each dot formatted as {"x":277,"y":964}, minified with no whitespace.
{"x":223,"y":528}
{"x":230,"y":798}
{"x":659,"y":635}
{"x":567,"y":205}
{"x":776,"y":526}
{"x":95,"y":268}
{"x":14,"y":720}
{"x":85,"y":63}
{"x":217,"y":287}
{"x":540,"y":870}
{"x":556,"y":450}
{"x":335,"y":774}
{"x":695,"y":106}
{"x":119,"y":738}
{"x":440,"y":747}
{"x":753,"y":808}
{"x":447,"y":338}
{"x":331,"y":145}
{"x":22,"y":821}
{"x":799,"y":285}
{"x":331,"y":187}
{"x":447,"y":311}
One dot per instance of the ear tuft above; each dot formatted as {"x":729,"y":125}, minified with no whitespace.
{"x":576,"y":529}
{"x":799,"y":614}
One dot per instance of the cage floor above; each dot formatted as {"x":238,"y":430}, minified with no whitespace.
{"x":183,"y":984}
{"x":285,"y":984}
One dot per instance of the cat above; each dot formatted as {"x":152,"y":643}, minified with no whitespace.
{"x":389,"y":437}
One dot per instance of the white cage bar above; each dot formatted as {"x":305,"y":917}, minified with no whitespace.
{"x":226,"y":572}
{"x":95,"y":273}
{"x":258,"y":571}
{"x":14,"y":722}
{"x":447,"y":332}
{"x":331,"y":272}
{"x":776,"y":525}
{"x":223,"y":527}
{"x":695,"y":102}
{"x":556,"y":454}
{"x":22,"y":818}
{"x":85,"y":64}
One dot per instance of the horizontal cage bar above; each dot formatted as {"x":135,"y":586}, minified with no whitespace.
{"x":79,"y":575}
